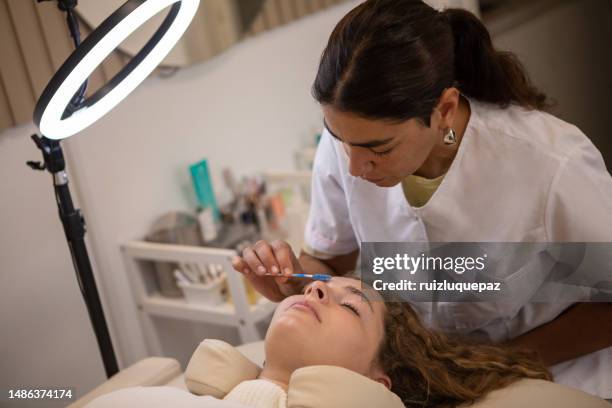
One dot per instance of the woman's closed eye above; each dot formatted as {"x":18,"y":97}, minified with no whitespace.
{"x":351,"y":307}
{"x":383,"y":153}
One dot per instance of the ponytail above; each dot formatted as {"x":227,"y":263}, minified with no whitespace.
{"x":485,"y":74}
{"x":391,"y":60}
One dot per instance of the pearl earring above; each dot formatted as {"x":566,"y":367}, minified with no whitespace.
{"x":450,"y":138}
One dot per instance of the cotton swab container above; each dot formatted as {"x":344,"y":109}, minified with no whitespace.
{"x":204,"y":294}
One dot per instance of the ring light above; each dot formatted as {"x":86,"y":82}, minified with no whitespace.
{"x":52,"y":114}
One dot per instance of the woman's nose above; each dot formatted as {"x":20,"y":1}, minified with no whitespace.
{"x":359,"y":164}
{"x":317,"y":290}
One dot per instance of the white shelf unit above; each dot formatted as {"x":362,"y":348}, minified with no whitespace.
{"x":239,"y":313}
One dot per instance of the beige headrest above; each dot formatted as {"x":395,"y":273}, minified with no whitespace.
{"x":538,"y":393}
{"x":217,"y":367}
{"x":332,"y":387}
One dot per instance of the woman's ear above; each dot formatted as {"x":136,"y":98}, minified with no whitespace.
{"x":447,"y":106}
{"x":379,"y":375}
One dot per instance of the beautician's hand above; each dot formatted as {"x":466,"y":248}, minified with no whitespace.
{"x":275,"y":258}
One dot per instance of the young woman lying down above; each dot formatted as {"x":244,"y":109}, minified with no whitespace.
{"x":339,"y":344}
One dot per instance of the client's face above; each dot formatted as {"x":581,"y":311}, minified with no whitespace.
{"x":336,"y":323}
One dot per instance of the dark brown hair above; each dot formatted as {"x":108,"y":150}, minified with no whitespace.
{"x":392,"y":59}
{"x":430,"y":369}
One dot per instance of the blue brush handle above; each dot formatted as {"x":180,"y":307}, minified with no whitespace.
{"x":316,"y":276}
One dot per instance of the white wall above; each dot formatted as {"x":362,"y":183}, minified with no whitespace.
{"x":248,"y":109}
{"x":566,"y":50}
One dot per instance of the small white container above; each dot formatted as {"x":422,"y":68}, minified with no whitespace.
{"x":197,"y":293}
{"x":208,"y":229}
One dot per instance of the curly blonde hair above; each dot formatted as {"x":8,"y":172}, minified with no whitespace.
{"x":430,"y":369}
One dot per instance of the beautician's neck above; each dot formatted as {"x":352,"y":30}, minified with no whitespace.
{"x":442,"y":156}
{"x":276,"y":375}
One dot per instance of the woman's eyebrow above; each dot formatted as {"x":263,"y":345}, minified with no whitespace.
{"x":373,"y":143}
{"x":352,"y":289}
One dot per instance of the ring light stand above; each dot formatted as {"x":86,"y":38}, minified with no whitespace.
{"x":63,"y":110}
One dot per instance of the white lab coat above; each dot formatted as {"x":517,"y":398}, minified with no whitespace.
{"x":518,"y":176}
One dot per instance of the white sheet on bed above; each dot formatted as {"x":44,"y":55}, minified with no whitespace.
{"x":590,"y":373}
{"x":158,"y":397}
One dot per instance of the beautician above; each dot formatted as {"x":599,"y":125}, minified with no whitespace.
{"x":433,"y":135}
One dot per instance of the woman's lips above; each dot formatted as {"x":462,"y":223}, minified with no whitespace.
{"x":307,"y":307}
